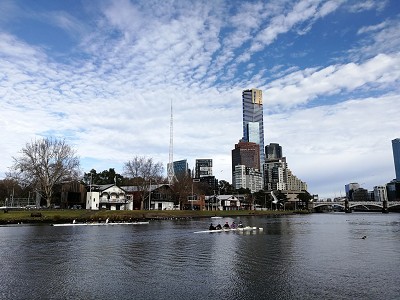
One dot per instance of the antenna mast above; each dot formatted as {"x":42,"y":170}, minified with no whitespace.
{"x":170,"y":168}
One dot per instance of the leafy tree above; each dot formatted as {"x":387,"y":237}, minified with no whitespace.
{"x":262,"y":198}
{"x":304,"y":197}
{"x":43,"y":164}
{"x":225,"y":188}
{"x":143,"y":171}
{"x":243,"y":191}
{"x":105,"y":177}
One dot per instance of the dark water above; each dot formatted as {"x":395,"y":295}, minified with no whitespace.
{"x":318,"y":256}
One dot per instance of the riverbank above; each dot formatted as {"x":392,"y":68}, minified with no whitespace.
{"x":56,"y":216}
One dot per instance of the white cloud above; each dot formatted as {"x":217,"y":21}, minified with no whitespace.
{"x":112,"y":100}
{"x":338,"y":144}
{"x":306,"y":85}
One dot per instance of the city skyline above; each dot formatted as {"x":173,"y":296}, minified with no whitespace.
{"x":102,"y":75}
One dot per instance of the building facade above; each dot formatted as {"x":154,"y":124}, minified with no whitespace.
{"x":277,"y":175}
{"x":247,"y":178}
{"x":253,"y":119}
{"x":350,"y":188}
{"x":396,"y":157}
{"x":181,"y":168}
{"x":247,"y":154}
{"x":203,"y":168}
{"x":380,"y":193}
{"x":273,"y":151}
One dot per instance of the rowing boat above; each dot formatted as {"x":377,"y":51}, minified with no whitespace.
{"x":100,"y":224}
{"x":247,"y":228}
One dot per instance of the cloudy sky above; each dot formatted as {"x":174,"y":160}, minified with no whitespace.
{"x":102,"y":75}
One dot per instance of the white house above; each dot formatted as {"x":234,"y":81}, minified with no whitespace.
{"x":107,"y":196}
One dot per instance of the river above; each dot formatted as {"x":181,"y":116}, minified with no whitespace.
{"x":316,"y":256}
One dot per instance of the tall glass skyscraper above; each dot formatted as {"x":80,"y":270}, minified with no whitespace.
{"x":253,"y":119}
{"x":396,"y":157}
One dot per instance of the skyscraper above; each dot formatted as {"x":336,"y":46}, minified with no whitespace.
{"x":203,"y":168}
{"x":396,"y":157}
{"x":273,"y":151}
{"x":253,"y":119}
{"x":247,"y":154}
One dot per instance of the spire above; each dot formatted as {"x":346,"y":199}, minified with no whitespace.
{"x":170,"y":167}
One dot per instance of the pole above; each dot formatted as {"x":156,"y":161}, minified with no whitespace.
{"x":150,"y":194}
{"x":192,"y":196}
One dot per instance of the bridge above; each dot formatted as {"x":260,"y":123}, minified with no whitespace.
{"x":350,"y":205}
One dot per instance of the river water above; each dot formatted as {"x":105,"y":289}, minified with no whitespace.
{"x":317,"y":256}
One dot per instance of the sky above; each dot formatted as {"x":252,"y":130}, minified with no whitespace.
{"x":102,"y":75}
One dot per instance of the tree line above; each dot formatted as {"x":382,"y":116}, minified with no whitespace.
{"x":46,"y":163}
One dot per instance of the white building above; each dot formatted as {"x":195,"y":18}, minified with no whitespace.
{"x":107,"y":196}
{"x":380,"y":193}
{"x":247,"y":178}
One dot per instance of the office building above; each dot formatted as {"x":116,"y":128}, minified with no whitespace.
{"x":203,"y":168}
{"x":181,"y":168}
{"x":396,"y":157}
{"x":350,"y":188}
{"x":273,"y":151}
{"x":253,"y":119}
{"x":277,"y":175}
{"x":380,"y":193}
{"x":247,"y":178}
{"x":247,"y":154}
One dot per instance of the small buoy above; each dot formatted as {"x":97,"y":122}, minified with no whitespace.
{"x":364,"y":237}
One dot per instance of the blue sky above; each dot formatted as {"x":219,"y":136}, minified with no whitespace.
{"x":102,"y":75}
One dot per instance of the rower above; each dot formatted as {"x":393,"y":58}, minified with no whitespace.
{"x":226,"y":225}
{"x":212,"y":227}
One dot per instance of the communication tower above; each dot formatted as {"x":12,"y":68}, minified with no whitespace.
{"x":170,"y":167}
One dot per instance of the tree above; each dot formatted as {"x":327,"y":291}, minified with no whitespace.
{"x":225,"y":188}
{"x":143,"y":172}
{"x":106,"y":177}
{"x":304,"y":197}
{"x":182,"y":188}
{"x":43,"y":164}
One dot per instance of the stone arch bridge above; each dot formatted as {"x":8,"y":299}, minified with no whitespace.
{"x":350,"y":205}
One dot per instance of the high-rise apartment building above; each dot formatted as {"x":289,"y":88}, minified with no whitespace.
{"x":203,"y":168}
{"x":253,"y":119}
{"x":181,"y":168}
{"x":277,"y":175}
{"x":273,"y":151}
{"x":247,"y":154}
{"x":396,"y":157}
{"x":247,"y":178}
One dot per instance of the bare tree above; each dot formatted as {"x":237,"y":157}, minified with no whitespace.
{"x":45,"y":163}
{"x":143,"y":171}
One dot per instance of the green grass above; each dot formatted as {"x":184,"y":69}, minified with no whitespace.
{"x":82,"y":215}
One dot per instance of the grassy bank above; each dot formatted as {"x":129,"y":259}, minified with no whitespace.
{"x":82,"y":215}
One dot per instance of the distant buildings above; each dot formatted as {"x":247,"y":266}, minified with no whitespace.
{"x":254,"y":167}
{"x":350,"y":188}
{"x":277,"y":175}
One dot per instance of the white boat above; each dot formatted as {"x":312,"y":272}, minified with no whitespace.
{"x":247,"y":228}
{"x":216,"y":217}
{"x":100,"y":224}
